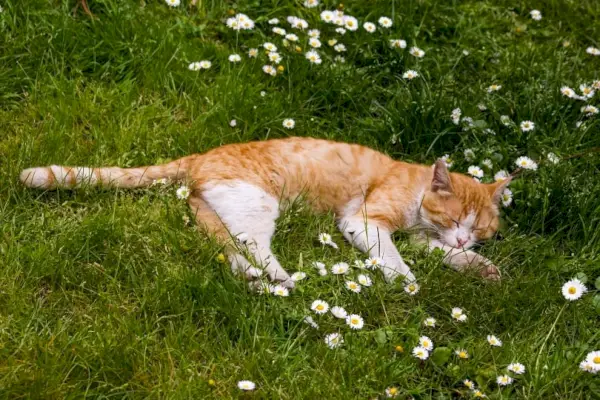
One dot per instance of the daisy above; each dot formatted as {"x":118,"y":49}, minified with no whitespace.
{"x":340,"y":47}
{"x":350,"y":23}
{"x":341,"y":31}
{"x":410,"y":74}
{"x":233,"y":123}
{"x":385,"y":22}
{"x":504,"y":380}
{"x":340,"y":268}
{"x":412,"y":288}
{"x":298,"y":276}
{"x":269,"y":70}
{"x":426,"y":343}
{"x":195,"y":66}
{"x":234,"y":58}
{"x":417,"y":52}
{"x":466,"y":52}
{"x":568,"y":92}
{"x":334,"y":340}
{"x":553,"y":158}
{"x":478,"y":394}
{"x":517,"y":368}
{"x":589,"y":110}
{"x":274,"y":57}
{"x":205,"y":64}
{"x":469,"y":384}
{"x":289,"y":123}
{"x":313,"y":57}
{"x":183,"y":192}
{"x":494,"y":88}
{"x":314,"y":33}
{"x":487,"y":163}
{"x":448,"y":160}
{"x":291,"y":37}
{"x":391,"y":392}
{"x":505,"y":120}
{"x":325,"y":238}
{"x":398,"y":43}
{"x":364,"y":280}
{"x":494,"y":341}
{"x":269,"y":46}
{"x":482,"y":107}
{"x":332,"y":42}
{"x":507,"y":197}
{"x":339,"y":312}
{"x":587,"y":91}
{"x":475,"y":171}
{"x":173,"y":3}
{"x":457,"y":313}
{"x":594,"y":359}
{"x":369,"y":27}
{"x":353,"y":286}
{"x":587,"y":366}
{"x":355,"y":321}
{"x":252,"y":53}
{"x":455,"y":115}
{"x":500,"y":176}
{"x":323,"y":272}
{"x":246,"y":385}
{"x":311,"y":3}
{"x":263,"y":287}
{"x":314,"y":42}
{"x":309,"y":320}
{"x":319,"y":306}
{"x":327,"y":16}
{"x":373,"y":262}
{"x":279,"y":290}
{"x":526,"y":163}
{"x":527,"y":126}
{"x":279,"y":31}
{"x":318,"y":265}
{"x":536,"y":15}
{"x":430,"y":322}
{"x":421,"y":353}
{"x":573,"y":289}
{"x":273,"y":21}
{"x":463,"y":354}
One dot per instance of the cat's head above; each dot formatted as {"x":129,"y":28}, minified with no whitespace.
{"x":458,"y":209}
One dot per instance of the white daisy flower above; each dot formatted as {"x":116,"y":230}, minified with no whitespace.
{"x":374,"y":262}
{"x":385,"y":22}
{"x":364,"y":280}
{"x":526,"y":163}
{"x":568,"y":92}
{"x":417,"y":52}
{"x":494,"y":88}
{"x":252,"y":53}
{"x":517,"y":368}
{"x":233,"y":123}
{"x":246,"y":385}
{"x":273,"y":21}
{"x":507,"y":197}
{"x":269,"y":70}
{"x":398,"y":43}
{"x":587,"y":366}
{"x":340,"y":268}
{"x":173,"y":3}
{"x":263,"y":93}
{"x":448,"y":160}
{"x":339,"y":47}
{"x":289,"y":123}
{"x":553,"y":158}
{"x":504,"y":380}
{"x":279,"y":31}
{"x":589,"y":110}
{"x":341,"y":31}
{"x":494,"y":341}
{"x":593,"y":358}
{"x":318,"y":265}
{"x":327,"y":16}
{"x":487,"y":163}
{"x":313,"y":57}
{"x":391,"y":392}
{"x":334,"y":340}
{"x":527,"y":126}
{"x":369,"y":27}
{"x":332,"y":42}
{"x":412,"y":288}
{"x":536,"y":15}
{"x":339,"y":312}
{"x":350,"y":23}
{"x":455,"y":115}
{"x":505,"y":120}
{"x":573,"y":289}
{"x":587,"y":91}
{"x":482,"y":107}
{"x":314,"y":43}
{"x":426,"y":343}
{"x":319,"y":307}
{"x":298,"y":276}
{"x":421,"y":353}
{"x":500,"y":176}
{"x":298,"y":23}
{"x":292,"y":37}
{"x":430,"y":322}
{"x":596,"y":85}
{"x":279,"y":290}
{"x":314,"y":33}
{"x":469,"y":384}
{"x":205,"y":64}
{"x":269,"y":46}
{"x":323,"y":272}
{"x":183,"y":192}
{"x":355,"y":321}
{"x":410,"y":74}
{"x":457,"y":313}
{"x":479,"y":394}
{"x":310,"y":321}
{"x":462,"y":353}
{"x":195,"y":66}
{"x":466,"y":52}
{"x":235,"y":58}
{"x":262,"y":287}
{"x":353,"y":286}
{"x":274,"y":57}
{"x":311,"y":3}
{"x":475,"y":171}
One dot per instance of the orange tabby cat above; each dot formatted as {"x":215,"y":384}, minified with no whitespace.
{"x":238,"y":190}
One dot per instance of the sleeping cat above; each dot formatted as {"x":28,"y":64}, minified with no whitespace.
{"x":237,"y":192}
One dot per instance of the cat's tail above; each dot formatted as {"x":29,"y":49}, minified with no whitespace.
{"x":56,"y":176}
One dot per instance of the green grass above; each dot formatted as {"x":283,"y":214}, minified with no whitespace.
{"x":110,"y":294}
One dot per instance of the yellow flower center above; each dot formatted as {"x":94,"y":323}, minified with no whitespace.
{"x":462,"y":354}
{"x":393,"y":390}
{"x":400,"y":349}
{"x":354,"y":321}
{"x":411,"y":288}
{"x":320,"y":307}
{"x":596,"y":360}
{"x":572,"y":290}
{"x":425,"y":343}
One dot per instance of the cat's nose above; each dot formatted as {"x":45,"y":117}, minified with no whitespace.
{"x":461,"y":242}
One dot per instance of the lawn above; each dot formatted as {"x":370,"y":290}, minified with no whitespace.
{"x":114,"y":294}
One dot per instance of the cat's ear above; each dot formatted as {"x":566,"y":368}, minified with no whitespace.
{"x":496,"y":189}
{"x":441,"y":182}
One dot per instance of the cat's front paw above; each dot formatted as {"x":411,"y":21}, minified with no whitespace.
{"x":490,"y":272}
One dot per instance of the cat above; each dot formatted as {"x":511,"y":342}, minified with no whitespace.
{"x":238,"y":190}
